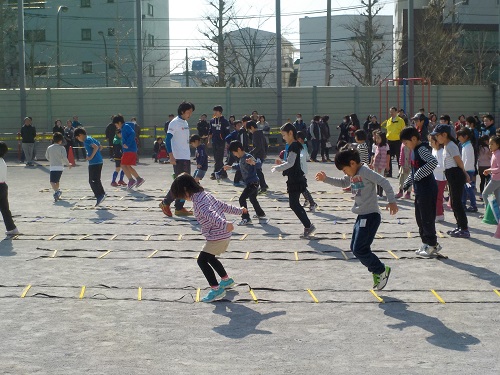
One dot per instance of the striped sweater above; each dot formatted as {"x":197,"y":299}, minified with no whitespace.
{"x":210,"y":214}
{"x":422,"y":170}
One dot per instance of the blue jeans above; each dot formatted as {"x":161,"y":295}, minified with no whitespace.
{"x":470,"y":192}
{"x":365,"y":228}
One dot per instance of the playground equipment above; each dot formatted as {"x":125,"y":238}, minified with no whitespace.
{"x":405,"y":82}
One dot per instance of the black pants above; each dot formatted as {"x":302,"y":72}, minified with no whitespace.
{"x":208,"y":261}
{"x":315,"y":148}
{"x":4,"y":207}
{"x":262,"y":179}
{"x":181,"y":166}
{"x":231,"y":159}
{"x":110,"y":148}
{"x":95,"y":179}
{"x":294,"y":201}
{"x":219,"y":157}
{"x":425,"y":213}
{"x":394,"y":149}
{"x":484,"y":179}
{"x":307,"y":195}
{"x":250,"y":192}
{"x":456,"y":183}
{"x":325,"y":151}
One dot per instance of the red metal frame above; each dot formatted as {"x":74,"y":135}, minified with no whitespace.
{"x":425,"y":82}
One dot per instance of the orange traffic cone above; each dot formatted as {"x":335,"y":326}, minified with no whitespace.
{"x":71,"y":156}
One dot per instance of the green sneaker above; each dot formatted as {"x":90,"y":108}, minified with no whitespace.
{"x":380,"y":280}
{"x":226,"y":284}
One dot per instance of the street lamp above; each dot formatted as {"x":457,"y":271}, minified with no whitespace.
{"x":105,"y":55}
{"x":61,"y":8}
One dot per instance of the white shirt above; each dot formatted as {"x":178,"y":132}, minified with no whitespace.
{"x":439,"y":170}
{"x":468,"y":157}
{"x":179,"y":129}
{"x":450,"y":151}
{"x":3,"y":171}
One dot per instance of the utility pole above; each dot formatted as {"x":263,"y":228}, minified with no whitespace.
{"x":328,"y":46}
{"x":279,"y":75}
{"x":140,"y":83}
{"x":411,"y":40}
{"x":22,"y":64}
{"x":187,"y":69}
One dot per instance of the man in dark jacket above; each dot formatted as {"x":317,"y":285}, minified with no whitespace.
{"x":28,"y":134}
{"x":203,"y":127}
{"x":110,"y":136}
{"x":219,"y":130}
{"x":259,"y":151}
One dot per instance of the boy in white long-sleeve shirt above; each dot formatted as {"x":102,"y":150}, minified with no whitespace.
{"x":56,"y":155}
{"x":464,"y":136}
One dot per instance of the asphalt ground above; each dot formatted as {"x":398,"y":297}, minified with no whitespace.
{"x":113,"y":290}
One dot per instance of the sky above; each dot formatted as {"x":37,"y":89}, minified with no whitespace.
{"x":186,"y":19}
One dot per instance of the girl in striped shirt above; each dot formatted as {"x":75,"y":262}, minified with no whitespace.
{"x":217,"y":230}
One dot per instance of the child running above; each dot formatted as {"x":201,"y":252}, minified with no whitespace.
{"x":248,"y":167}
{"x":425,"y":188}
{"x":363,"y":182}
{"x":493,"y":186}
{"x":117,"y":157}
{"x":56,"y":155}
{"x":217,"y":230}
{"x":201,"y":157}
{"x":297,"y":182}
{"x":456,"y":176}
{"x":438,"y":153}
{"x":304,"y":157}
{"x":94,"y":157}
{"x":4,"y":194}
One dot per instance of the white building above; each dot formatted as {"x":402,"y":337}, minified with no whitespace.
{"x":90,"y":30}
{"x":312,"y":49}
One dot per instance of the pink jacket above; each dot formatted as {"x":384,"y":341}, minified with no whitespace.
{"x":495,"y":166}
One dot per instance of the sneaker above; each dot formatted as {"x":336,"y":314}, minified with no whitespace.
{"x":399,"y":195}
{"x":263,"y":217}
{"x":183,"y":212}
{"x":461,"y":234}
{"x":214,"y":295}
{"x":347,"y":189}
{"x":226,"y":284}
{"x":12,"y":232}
{"x":166,"y":209}
{"x":380,"y":280}
{"x":439,"y":218}
{"x":100,"y":199}
{"x":263,"y":191}
{"x":313,"y":207}
{"x":114,"y":184}
{"x":122,"y":183}
{"x":245,"y":222}
{"x":139,"y":182}
{"x":408,"y":195}
{"x":216,"y":177}
{"x":57,"y":195}
{"x":306,"y":203}
{"x":380,"y":196}
{"x":131,"y":184}
{"x":308,"y":232}
{"x":471,"y":209}
{"x":213,"y":177}
{"x":429,"y":251}
{"x":423,"y":248}
{"x":450,"y":232}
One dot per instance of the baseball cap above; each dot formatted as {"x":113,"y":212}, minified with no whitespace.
{"x":441,"y":128}
{"x":418,"y":116}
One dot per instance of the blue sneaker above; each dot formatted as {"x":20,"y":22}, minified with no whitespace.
{"x":100,"y":200}
{"x":214,"y":295}
{"x":227,"y":284}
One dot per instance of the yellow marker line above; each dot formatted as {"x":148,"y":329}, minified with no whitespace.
{"x":344,"y":236}
{"x":253,"y":296}
{"x":394,"y":255}
{"x":437,"y":296}
{"x":312,"y":295}
{"x":197,"y":299}
{"x":318,"y":208}
{"x":139,"y":294}
{"x":82,"y":292}
{"x":344,"y":255}
{"x":440,"y":235}
{"x":196,"y":256}
{"x":279,"y":237}
{"x":379,"y":236}
{"x":125,"y":209}
{"x":244,"y":236}
{"x":113,"y":237}
{"x":408,"y":234}
{"x":84,"y":237}
{"x":82,"y":198}
{"x":54,"y":254}
{"x":153,"y":254}
{"x":16,"y":237}
{"x":180,"y":237}
{"x":122,"y":198}
{"x":497,"y":292}
{"x":25,"y":291}
{"x":103,"y":255}
{"x":147,"y":237}
{"x":376,"y":296}
{"x":296,"y":256}
{"x":277,"y":208}
{"x":247,"y":255}
{"x":339,"y":208}
{"x":51,"y":237}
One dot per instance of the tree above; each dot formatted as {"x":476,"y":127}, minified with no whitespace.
{"x":480,"y":57}
{"x":8,"y":45}
{"x":216,"y":34}
{"x":366,"y":46}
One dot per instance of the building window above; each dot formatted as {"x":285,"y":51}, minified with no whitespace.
{"x":33,"y":36}
{"x":86,"y":34}
{"x":111,"y":31}
{"x":86,"y":67}
{"x":111,"y":1}
{"x":151,"y":70}
{"x":150,"y":10}
{"x":85,"y":3}
{"x":151,"y":40}
{"x":29,"y":4}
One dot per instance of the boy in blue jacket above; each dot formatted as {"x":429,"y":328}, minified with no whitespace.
{"x":201,"y":157}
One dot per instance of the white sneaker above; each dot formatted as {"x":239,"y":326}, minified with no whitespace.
{"x":423,"y":248}
{"x":12,"y":232}
{"x":313,"y":208}
{"x":429,"y":251}
{"x":245,"y":222}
